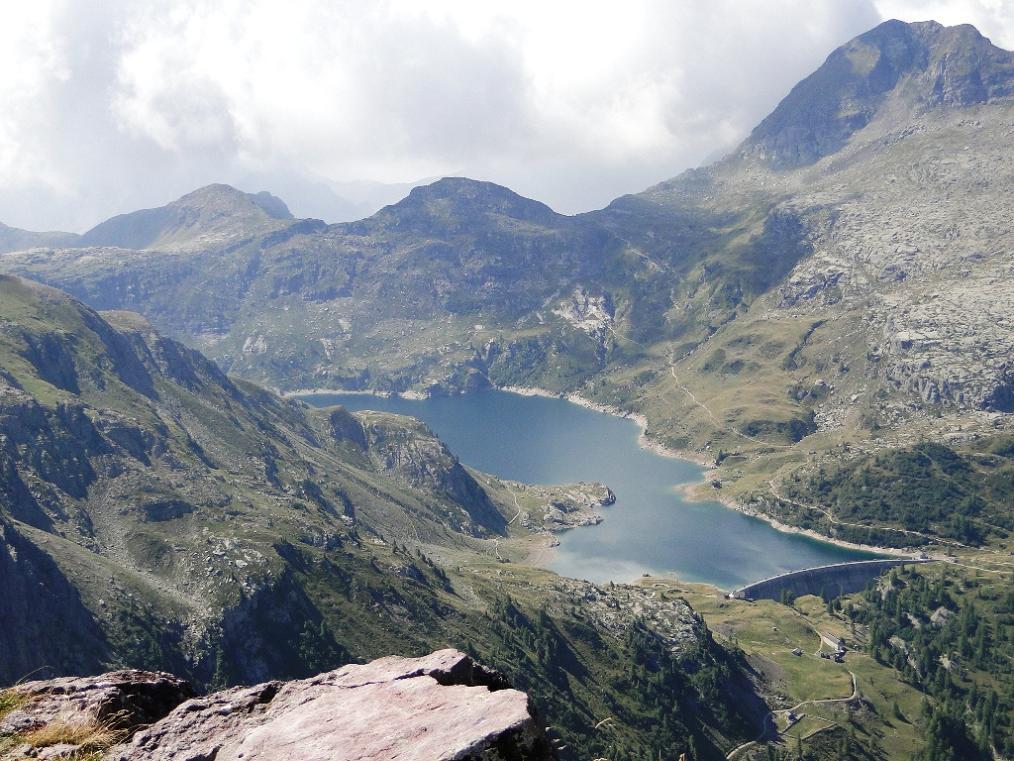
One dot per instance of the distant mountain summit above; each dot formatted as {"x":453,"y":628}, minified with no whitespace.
{"x":894,"y":70}
{"x":444,"y":203}
{"x":13,"y":239}
{"x":203,"y":217}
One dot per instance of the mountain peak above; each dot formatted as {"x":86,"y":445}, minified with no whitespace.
{"x":224,"y":197}
{"x":13,"y":239}
{"x":456,"y":198}
{"x":480,"y":194}
{"x":917,"y":66}
{"x":448,"y":186}
{"x":210,"y":214}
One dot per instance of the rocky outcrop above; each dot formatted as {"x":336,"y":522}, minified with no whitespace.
{"x":408,"y":450}
{"x":441,"y":706}
{"x":557,"y":508}
{"x":577,"y":506}
{"x":80,"y":717}
{"x":343,"y":426}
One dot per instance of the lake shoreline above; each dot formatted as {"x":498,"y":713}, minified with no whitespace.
{"x":298,"y":392}
{"x":643,"y":440}
{"x":691,"y":491}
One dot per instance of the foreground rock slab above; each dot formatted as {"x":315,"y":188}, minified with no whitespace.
{"x":442,"y":706}
{"x":79,"y":717}
{"x":117,"y":700}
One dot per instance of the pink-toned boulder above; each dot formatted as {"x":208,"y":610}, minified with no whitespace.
{"x":120,"y":699}
{"x":439,"y":707}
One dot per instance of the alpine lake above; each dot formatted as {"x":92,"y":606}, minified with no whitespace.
{"x":651,"y":529}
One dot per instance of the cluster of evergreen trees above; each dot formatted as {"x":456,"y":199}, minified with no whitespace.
{"x":929,"y":488}
{"x":666,"y":699}
{"x":962,"y":657}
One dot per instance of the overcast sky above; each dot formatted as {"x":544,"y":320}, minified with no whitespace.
{"x":112,"y":106}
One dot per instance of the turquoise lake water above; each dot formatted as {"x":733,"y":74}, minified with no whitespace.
{"x":650,"y":529}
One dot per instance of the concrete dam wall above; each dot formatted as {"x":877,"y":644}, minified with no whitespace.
{"x":831,"y":580}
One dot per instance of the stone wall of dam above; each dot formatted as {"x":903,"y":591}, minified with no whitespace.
{"x":829,"y":580}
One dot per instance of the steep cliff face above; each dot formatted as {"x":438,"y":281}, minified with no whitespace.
{"x":62,"y":631}
{"x":408,"y":450}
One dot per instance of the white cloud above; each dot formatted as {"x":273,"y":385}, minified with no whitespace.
{"x":35,"y":67}
{"x":111,"y":105}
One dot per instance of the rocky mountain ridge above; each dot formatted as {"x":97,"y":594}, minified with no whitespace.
{"x":897,"y":68}
{"x":208,"y":216}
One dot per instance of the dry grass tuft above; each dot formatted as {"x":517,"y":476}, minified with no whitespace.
{"x":11,"y":700}
{"x":8,"y":743}
{"x":89,"y":737}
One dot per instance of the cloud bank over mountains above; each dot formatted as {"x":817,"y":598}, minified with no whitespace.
{"x":111,"y":106}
